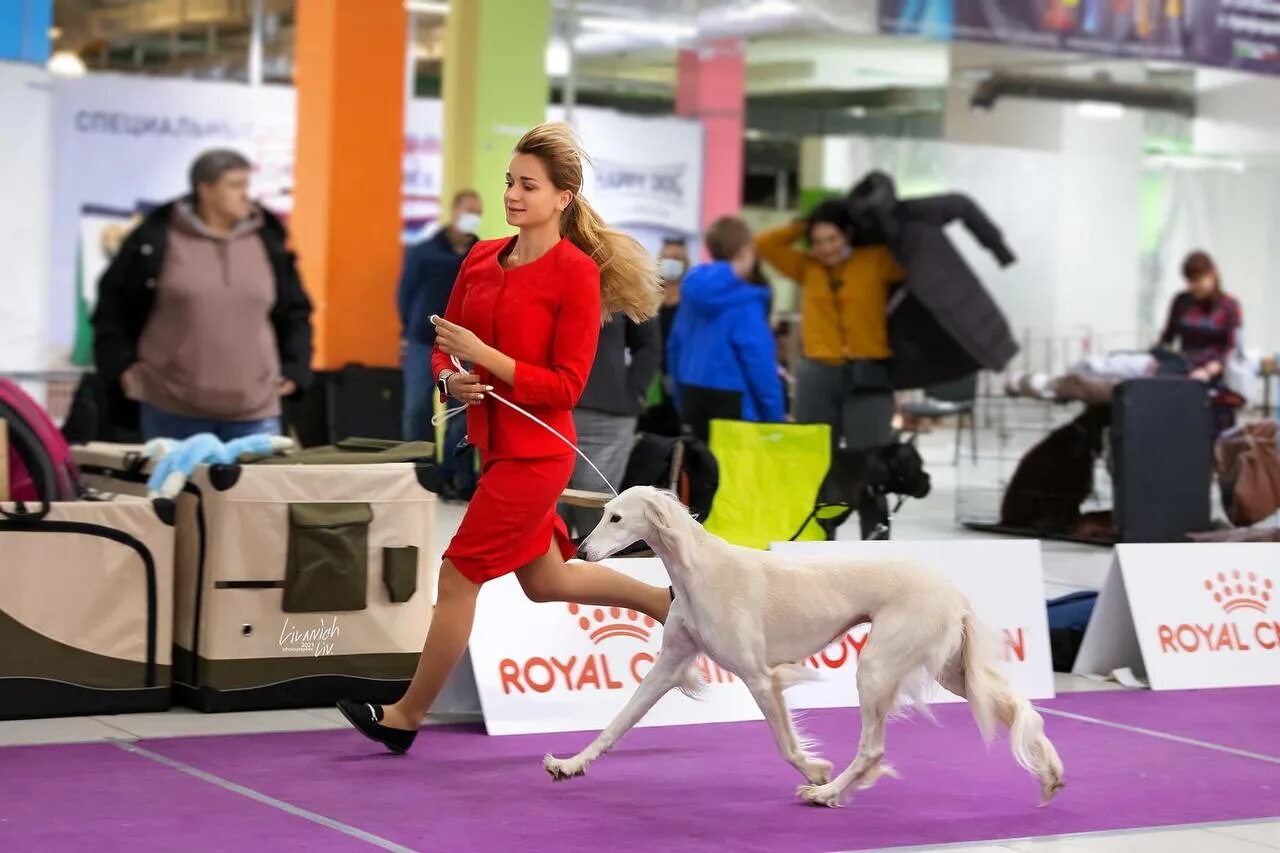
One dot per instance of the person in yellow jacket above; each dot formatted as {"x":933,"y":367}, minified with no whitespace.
{"x":843,"y":377}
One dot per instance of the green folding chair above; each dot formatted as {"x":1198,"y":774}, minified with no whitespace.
{"x":770,"y":475}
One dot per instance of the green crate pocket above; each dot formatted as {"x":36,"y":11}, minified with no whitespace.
{"x":328,"y":562}
{"x":400,"y":572}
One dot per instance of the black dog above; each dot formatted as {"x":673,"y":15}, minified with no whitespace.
{"x":861,"y":480}
{"x":1056,"y":476}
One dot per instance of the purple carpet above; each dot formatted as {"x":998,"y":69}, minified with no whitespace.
{"x":1225,"y":717}
{"x":96,"y":796}
{"x":693,"y":788}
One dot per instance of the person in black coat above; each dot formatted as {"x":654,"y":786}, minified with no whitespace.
{"x":215,"y":221}
{"x":943,"y":324}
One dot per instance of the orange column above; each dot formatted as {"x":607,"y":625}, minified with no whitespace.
{"x":347,"y":174}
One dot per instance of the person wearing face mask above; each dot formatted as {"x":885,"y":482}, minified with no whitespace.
{"x":660,"y":416}
{"x":426,"y":282}
{"x":843,"y":377}
{"x":673,"y":263}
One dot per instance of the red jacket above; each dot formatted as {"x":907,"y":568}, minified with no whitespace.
{"x":546,"y":316}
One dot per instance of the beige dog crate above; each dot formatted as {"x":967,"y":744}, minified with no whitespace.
{"x":86,"y":607}
{"x":300,"y":579}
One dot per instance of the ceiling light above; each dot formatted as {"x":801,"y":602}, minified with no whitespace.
{"x":67,"y":64}
{"x":639,"y":27}
{"x":557,"y":58}
{"x":1195,"y":162}
{"x":427,"y":7}
{"x":1100,"y":110}
{"x":761,"y":9}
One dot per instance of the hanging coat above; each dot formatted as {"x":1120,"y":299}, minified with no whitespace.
{"x":943,"y":324}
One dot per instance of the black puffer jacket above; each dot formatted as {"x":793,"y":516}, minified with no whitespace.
{"x":943,"y":325}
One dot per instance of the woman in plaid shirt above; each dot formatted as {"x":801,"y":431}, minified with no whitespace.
{"x":1204,"y":321}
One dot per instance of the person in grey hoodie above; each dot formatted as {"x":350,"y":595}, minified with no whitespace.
{"x":202,"y":324}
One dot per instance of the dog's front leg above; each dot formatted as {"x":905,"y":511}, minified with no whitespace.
{"x":765,"y":691}
{"x":678,"y":650}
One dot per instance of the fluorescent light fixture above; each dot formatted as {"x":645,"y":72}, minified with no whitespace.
{"x":67,"y":64}
{"x":638,"y":27}
{"x":1100,"y":110}
{"x":761,"y":9}
{"x":427,"y":7}
{"x":1196,"y":162}
{"x":557,"y":58}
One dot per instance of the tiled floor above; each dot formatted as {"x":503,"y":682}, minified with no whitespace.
{"x":1212,"y":838}
{"x":1067,"y":567}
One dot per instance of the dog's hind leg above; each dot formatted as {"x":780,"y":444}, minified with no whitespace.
{"x":879,"y":677}
{"x":678,"y":650}
{"x":767,"y":692}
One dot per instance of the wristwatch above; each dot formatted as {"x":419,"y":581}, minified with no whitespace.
{"x":443,"y":381}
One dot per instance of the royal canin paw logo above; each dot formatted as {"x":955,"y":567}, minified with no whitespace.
{"x":1240,"y":591}
{"x":602,"y":624}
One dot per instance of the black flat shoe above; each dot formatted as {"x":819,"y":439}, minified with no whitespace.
{"x":367,"y":719}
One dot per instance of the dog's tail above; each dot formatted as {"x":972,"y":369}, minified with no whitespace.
{"x":992,"y":700}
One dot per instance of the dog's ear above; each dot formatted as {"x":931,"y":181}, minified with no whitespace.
{"x":664,"y":511}
{"x":670,"y":523}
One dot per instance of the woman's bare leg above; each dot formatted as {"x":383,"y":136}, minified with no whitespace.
{"x":550,"y":578}
{"x":446,"y":641}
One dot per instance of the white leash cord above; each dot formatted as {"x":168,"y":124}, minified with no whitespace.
{"x":438,"y":419}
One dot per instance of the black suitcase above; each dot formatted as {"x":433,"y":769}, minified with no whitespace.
{"x":1162,"y":448}
{"x":354,"y":402}
{"x":366,"y":402}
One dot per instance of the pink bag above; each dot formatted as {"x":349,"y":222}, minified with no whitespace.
{"x":41,"y":467}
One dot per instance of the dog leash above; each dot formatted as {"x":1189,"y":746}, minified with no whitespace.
{"x":438,"y":419}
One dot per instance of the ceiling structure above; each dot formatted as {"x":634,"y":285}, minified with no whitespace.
{"x":814,"y":67}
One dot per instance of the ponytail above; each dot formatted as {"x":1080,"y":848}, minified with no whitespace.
{"x":630,"y":281}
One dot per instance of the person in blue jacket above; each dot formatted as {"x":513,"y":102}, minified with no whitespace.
{"x":426,"y":281}
{"x":721,"y":352}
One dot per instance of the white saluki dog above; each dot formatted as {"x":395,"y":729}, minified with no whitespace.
{"x":758,"y":614}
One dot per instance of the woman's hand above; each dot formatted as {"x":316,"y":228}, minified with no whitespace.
{"x":1207,"y":373}
{"x":466,"y":387}
{"x":458,"y":341}
{"x":131,"y":382}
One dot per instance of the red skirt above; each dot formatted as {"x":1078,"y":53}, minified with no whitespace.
{"x":511,"y":520}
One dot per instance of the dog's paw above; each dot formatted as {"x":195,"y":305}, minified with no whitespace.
{"x":820,"y":795}
{"x":560,"y":770}
{"x":881,"y":768}
{"x":817,"y":770}
{"x":1050,"y":788}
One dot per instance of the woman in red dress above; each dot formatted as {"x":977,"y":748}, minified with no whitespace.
{"x":525,"y":314}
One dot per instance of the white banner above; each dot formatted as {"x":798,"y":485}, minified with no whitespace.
{"x":1003,"y":580}
{"x":124,"y":144}
{"x":566,"y":667}
{"x":646,"y":173}
{"x":26,"y":163}
{"x":1189,"y":615}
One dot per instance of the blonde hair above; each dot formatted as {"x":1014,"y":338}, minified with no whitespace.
{"x":630,"y":282}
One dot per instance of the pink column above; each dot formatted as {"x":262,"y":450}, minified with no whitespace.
{"x":711,"y":87}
